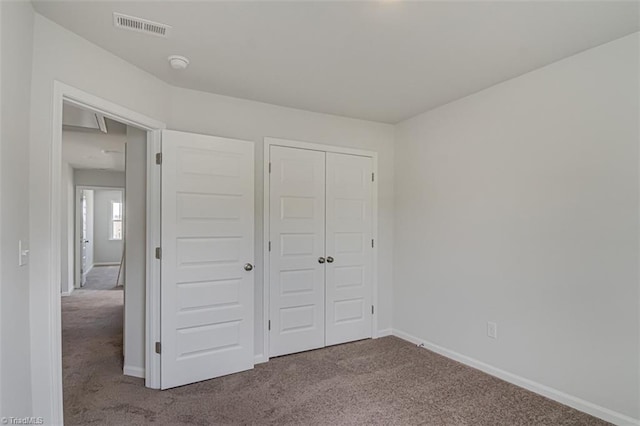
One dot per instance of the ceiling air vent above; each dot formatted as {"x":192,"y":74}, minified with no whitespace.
{"x":140,"y":25}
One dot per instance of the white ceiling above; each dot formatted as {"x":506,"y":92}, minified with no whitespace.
{"x":92,"y":149}
{"x":384,"y":61}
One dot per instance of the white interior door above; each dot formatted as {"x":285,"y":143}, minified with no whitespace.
{"x":83,"y":239}
{"x":297,"y":218}
{"x":207,"y":284}
{"x":349,"y":227}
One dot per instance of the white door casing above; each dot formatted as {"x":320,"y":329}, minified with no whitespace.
{"x":83,"y":240}
{"x":349,"y":228}
{"x":207,"y":291}
{"x":297,"y":212}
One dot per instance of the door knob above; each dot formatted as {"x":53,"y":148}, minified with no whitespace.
{"x":321,"y":259}
{"x":248,"y":267}
{"x":329,"y":259}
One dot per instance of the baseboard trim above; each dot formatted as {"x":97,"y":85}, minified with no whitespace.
{"x":133,"y":371}
{"x":546,"y":391}
{"x":105,"y":264}
{"x":385,"y":332}
{"x":260,"y":359}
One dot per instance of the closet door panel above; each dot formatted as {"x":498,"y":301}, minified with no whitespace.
{"x":297,"y":221}
{"x":349,"y":225}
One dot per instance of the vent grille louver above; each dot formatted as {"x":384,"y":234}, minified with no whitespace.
{"x":140,"y":25}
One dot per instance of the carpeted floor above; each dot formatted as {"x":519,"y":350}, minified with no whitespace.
{"x":384,"y":381}
{"x":102,"y":278}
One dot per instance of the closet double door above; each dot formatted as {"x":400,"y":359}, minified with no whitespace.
{"x":320,"y":258}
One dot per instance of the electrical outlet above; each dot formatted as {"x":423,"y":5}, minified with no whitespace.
{"x":492,"y":330}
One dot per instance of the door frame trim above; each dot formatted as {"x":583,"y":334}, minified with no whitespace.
{"x":65,"y":93}
{"x":77,"y":227}
{"x":268,"y":143}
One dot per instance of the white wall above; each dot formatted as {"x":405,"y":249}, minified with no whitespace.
{"x":206,"y":113}
{"x":62,"y":55}
{"x":95,"y":177}
{"x":519,"y":205}
{"x":104,"y":249}
{"x":67,"y":232}
{"x":136,"y":255}
{"x":16,"y":27}
{"x":1,"y":139}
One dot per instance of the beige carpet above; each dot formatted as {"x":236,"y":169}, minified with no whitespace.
{"x":384,"y":381}
{"x":102,"y":278}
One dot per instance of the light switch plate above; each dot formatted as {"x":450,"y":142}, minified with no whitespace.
{"x":492,"y":330}
{"x":23,"y":253}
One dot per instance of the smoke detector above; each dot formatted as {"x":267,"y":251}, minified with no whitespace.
{"x":140,"y":25}
{"x":178,"y":62}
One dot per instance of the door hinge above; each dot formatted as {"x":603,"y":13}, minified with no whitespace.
{"x":269,"y":327}
{"x":159,"y":158}
{"x":158,"y":253}
{"x":269,"y":167}
{"x":372,"y":243}
{"x":372,"y":310}
{"x":373,"y":177}
{"x":158,"y":348}
{"x":269,"y":245}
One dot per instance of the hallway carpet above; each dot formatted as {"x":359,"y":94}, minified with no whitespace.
{"x":384,"y":381}
{"x":102,"y":278}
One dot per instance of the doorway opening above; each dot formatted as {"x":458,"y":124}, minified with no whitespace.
{"x":97,"y":153}
{"x":140,"y":325}
{"x":93,"y":167}
{"x":101,"y":240}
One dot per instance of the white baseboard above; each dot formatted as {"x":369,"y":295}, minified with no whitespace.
{"x":105,"y":264}
{"x":385,"y":332}
{"x":259,"y":359}
{"x":551,"y":393}
{"x":133,"y":371}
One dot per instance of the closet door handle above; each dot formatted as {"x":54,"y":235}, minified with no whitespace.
{"x":248,"y":267}
{"x":321,"y":259}
{"x":329,"y":259}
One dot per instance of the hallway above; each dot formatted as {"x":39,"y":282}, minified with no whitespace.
{"x":92,"y":320}
{"x":102,"y":278}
